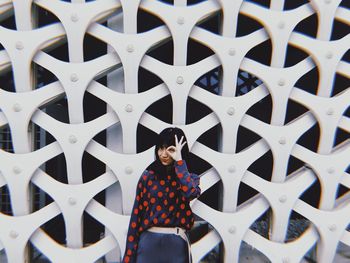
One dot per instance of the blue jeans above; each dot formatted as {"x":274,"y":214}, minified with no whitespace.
{"x":161,"y":248}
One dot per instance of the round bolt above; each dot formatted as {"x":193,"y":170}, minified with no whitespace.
{"x":72,"y":139}
{"x":128,"y":108}
{"x":230,"y":111}
{"x":282,"y":199}
{"x":281,"y":25}
{"x":19,"y":45}
{"x":128,"y":170}
{"x":332,"y":228}
{"x":231,"y":169}
{"x":285,"y":260}
{"x":74,"y":77}
{"x":327,"y":1}
{"x":13,"y":234}
{"x":281,"y":82}
{"x":329,"y":55}
{"x":330,"y":170}
{"x":130,"y":48}
{"x":16,"y":170}
{"x":179,"y":80}
{"x":17,"y":107}
{"x":232,"y":52}
{"x":282,"y":141}
{"x":232,"y":230}
{"x":330,"y":111}
{"x":72,"y":201}
{"x":181,"y":20}
{"x":74,"y":17}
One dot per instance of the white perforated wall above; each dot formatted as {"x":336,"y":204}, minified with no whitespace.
{"x":114,"y":22}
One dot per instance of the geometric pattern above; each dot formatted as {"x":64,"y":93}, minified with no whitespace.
{"x":278,"y":29}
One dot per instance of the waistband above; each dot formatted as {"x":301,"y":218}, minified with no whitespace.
{"x":173,"y":230}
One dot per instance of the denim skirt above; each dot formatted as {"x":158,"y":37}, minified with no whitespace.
{"x":161,"y":248}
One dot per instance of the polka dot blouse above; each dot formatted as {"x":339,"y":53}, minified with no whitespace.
{"x":161,"y":200}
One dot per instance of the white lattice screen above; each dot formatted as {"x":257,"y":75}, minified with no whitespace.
{"x":112,"y":79}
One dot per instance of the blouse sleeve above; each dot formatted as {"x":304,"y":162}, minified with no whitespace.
{"x":189,"y":181}
{"x":135,"y":223}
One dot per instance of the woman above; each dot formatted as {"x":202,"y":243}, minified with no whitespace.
{"x":161,"y":213}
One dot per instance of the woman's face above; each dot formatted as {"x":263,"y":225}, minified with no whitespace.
{"x":164,"y":157}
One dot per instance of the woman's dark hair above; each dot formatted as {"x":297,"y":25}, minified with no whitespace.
{"x":165,"y":139}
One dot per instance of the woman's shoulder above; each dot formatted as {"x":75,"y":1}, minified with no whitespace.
{"x":146,"y":175}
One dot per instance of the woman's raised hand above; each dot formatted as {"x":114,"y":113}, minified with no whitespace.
{"x":175,"y":151}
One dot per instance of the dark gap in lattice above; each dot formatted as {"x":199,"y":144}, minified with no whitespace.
{"x":309,"y":81}
{"x":312,"y":194}
{"x":246,"y":82}
{"x":36,"y":255}
{"x":262,"y":110}
{"x":245,"y":138}
{"x":94,"y":107}
{"x":261,"y":53}
{"x":260,"y":226}
{"x":294,"y":110}
{"x":7,"y":80}
{"x":163,"y":109}
{"x":5,"y":201}
{"x":58,"y":110}
{"x":193,"y":2}
{"x":195,"y":110}
{"x":342,"y":190}
{"x":163,"y":52}
{"x":308,"y":26}
{"x":44,"y":76}
{"x":347,"y":112}
{"x":248,"y":253}
{"x":92,"y":167}
{"x":198,"y":231}
{"x":265,"y":3}
{"x":93,"y":229}
{"x":346,"y":56}
{"x":101,"y":197}
{"x":340,"y":84}
{"x":170,"y":2}
{"x":213,"y":255}
{"x":298,"y":224}
{"x":147,"y":21}
{"x":292,"y":4}
{"x":100,"y":137}
{"x":247,"y":25}
{"x":60,"y":51}
{"x":8,"y":21}
{"x":146,"y":138}
{"x":45,"y":17}
{"x":57,"y":168}
{"x":310,"y":138}
{"x":93,"y":47}
{"x":6,"y":139}
{"x":210,"y":137}
{"x":197,"y":165}
{"x":311,"y":254}
{"x":39,"y":197}
{"x":340,"y":137}
{"x":262,"y":167}
{"x":211,"y":23}
{"x":339,"y":30}
{"x":210,"y":81}
{"x":210,"y":196}
{"x":345,"y":3}
{"x":245,"y":192}
{"x":56,"y":229}
{"x":147,"y":80}
{"x":196,"y":52}
{"x":1,"y":47}
{"x":294,"y":55}
{"x":294,"y":164}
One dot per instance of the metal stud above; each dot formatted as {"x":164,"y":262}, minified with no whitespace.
{"x":128,"y":108}
{"x":16,"y":169}
{"x":231,"y":111}
{"x":13,"y":234}
{"x":74,"y":77}
{"x":181,"y":20}
{"x":74,"y":17}
{"x":72,"y":139}
{"x":130,"y":48}
{"x":232,"y":230}
{"x":17,"y":107}
{"x":179,"y":80}
{"x":19,"y":45}
{"x":72,"y":201}
{"x":128,"y":170}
